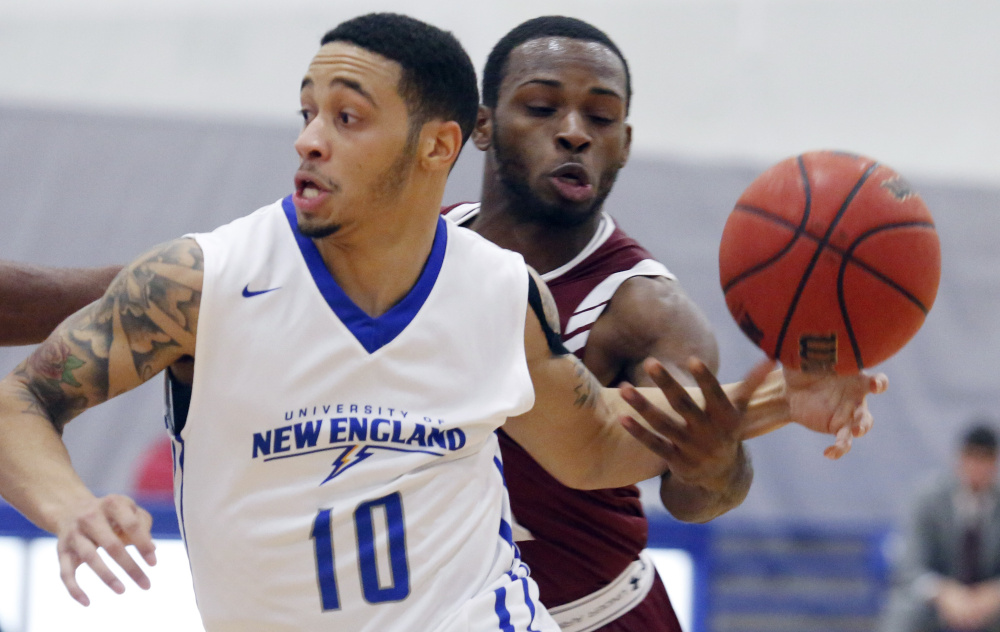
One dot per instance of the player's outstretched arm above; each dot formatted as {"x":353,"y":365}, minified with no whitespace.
{"x":144,"y":322}
{"x":828,"y":403}
{"x":572,"y":431}
{"x":34,"y":299}
{"x":652,"y":317}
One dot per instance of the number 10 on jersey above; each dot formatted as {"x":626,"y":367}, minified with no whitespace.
{"x":364,"y":526}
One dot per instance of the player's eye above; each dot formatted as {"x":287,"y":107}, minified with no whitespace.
{"x":540,"y":110}
{"x":306,"y":116}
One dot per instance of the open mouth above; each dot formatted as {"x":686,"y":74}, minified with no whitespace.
{"x":572,"y":182}
{"x":306,"y":187}
{"x":572,"y":174}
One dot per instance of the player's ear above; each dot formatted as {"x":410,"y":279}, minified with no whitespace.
{"x":627,"y":147}
{"x":482,"y":133}
{"x":440,"y":142}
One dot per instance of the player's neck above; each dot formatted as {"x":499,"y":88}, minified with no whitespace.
{"x":543,"y":245}
{"x":377,"y":263}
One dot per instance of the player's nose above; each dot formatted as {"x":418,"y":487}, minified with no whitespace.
{"x":312,"y":143}
{"x":572,"y":134}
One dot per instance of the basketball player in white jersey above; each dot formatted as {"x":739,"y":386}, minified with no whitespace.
{"x":354,"y":354}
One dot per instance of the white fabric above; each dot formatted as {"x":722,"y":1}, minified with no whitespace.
{"x":592,"y":306}
{"x":267,"y":451}
{"x":610,"y":602}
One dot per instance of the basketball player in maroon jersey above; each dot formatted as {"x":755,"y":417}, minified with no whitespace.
{"x":556,"y":94}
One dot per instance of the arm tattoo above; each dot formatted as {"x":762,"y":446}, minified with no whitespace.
{"x":587,"y":387}
{"x":142,"y":323}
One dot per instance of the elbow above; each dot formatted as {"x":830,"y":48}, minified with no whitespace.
{"x":701,"y":512}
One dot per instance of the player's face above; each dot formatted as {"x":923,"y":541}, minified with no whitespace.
{"x":559,"y":135}
{"x":355,"y":149}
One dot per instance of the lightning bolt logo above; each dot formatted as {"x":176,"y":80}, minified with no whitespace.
{"x":350,"y":457}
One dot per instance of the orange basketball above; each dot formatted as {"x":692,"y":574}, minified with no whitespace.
{"x":830,"y":262}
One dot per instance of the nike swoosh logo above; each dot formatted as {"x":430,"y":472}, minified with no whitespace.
{"x":247,"y":292}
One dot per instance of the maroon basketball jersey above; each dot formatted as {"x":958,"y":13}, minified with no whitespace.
{"x":578,"y":541}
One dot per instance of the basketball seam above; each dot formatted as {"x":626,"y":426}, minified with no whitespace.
{"x":847,"y":259}
{"x":845,"y":253}
{"x":797,"y":231}
{"x":819,"y":250}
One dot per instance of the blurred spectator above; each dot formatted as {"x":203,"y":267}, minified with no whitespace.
{"x":949,"y":575}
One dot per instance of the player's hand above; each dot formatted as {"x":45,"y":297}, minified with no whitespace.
{"x":110,"y":523}
{"x":833,"y":404}
{"x":702,"y":447}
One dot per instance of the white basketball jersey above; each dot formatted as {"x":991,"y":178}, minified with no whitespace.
{"x":341,"y":472}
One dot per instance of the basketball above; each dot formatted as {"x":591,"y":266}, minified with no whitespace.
{"x":829,"y":262}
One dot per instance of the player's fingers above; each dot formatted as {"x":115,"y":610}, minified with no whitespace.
{"x":751,"y":382}
{"x":658,"y":419}
{"x":657,"y":444}
{"x":878,"y":383}
{"x":79,"y":548}
{"x":133,"y":526}
{"x":711,"y":390}
{"x":841,"y":445}
{"x":676,"y":394}
{"x":106,"y":536}
{"x":69,"y":561}
{"x":863,"y":421}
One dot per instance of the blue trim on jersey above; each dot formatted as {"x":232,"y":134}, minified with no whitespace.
{"x":177,"y":447}
{"x":501,"y":609}
{"x":506,"y":532}
{"x":529,"y":603}
{"x":372,"y":333}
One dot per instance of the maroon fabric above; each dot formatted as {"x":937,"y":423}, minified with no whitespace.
{"x":620,"y":252}
{"x":583,"y":539}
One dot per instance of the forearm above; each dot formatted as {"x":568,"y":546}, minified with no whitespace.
{"x":694,"y":501}
{"x":767,"y":410}
{"x":34,"y":299}
{"x":36,"y":475}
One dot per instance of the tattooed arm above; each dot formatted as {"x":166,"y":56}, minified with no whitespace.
{"x":144,"y":322}
{"x":573,"y":429}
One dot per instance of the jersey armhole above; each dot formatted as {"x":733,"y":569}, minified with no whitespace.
{"x":178,"y":403}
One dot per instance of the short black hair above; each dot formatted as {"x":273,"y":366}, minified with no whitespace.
{"x":438,"y":79}
{"x":537,"y":28}
{"x":981,"y":436}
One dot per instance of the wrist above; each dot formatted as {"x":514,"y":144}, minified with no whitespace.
{"x":768,"y":408}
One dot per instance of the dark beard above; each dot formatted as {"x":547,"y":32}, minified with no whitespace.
{"x":526,"y":206}
{"x":318,"y":232}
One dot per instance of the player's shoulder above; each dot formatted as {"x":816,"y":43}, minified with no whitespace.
{"x":278,"y":211}
{"x":461,"y":212}
{"x":468,"y":243}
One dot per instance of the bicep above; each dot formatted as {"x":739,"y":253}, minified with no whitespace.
{"x":651,"y":317}
{"x":145,"y":321}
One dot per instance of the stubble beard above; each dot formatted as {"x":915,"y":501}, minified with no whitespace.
{"x":386,"y":187}
{"x":527,"y":206}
